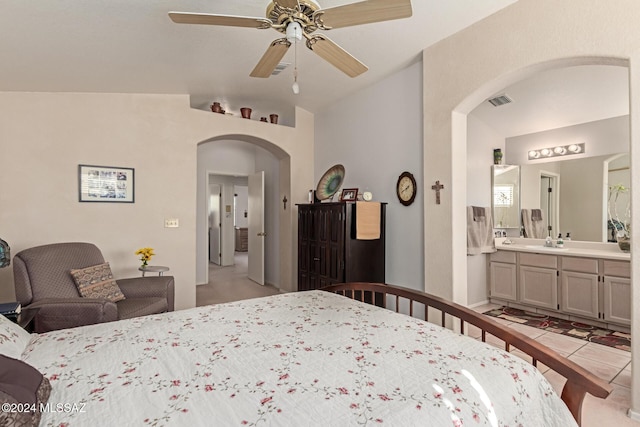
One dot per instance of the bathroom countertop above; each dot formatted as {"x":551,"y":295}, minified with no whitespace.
{"x":570,"y":248}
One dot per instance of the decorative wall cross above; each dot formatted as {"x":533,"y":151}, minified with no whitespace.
{"x":285,"y":202}
{"x":437,"y":187}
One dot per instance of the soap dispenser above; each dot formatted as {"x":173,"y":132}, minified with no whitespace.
{"x":559,"y":242}
{"x":568,"y":236}
{"x":548,"y":242}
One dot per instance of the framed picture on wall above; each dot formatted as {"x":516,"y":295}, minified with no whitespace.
{"x":349,"y":195}
{"x":105,"y":184}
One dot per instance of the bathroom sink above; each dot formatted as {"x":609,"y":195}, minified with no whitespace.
{"x":545,"y":248}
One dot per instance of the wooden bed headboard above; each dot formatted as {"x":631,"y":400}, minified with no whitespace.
{"x":579,"y":380}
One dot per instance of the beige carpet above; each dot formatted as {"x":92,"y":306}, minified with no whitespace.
{"x":231,"y":283}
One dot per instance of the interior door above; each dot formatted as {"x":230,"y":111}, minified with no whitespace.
{"x":256,"y":227}
{"x":549,"y":204}
{"x":214,"y":224}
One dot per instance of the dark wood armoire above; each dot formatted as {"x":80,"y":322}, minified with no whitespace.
{"x":328,"y":251}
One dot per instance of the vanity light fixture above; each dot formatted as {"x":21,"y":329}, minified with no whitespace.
{"x":576,"y":148}
{"x":561,"y":150}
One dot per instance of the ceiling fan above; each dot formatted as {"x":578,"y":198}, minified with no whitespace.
{"x":301,"y":18}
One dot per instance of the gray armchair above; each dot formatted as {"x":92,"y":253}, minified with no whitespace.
{"x":49,"y":296}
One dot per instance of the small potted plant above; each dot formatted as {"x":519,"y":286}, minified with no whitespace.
{"x":145,"y":255}
{"x":619,"y":225}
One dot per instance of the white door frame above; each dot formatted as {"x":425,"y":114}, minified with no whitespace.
{"x":213,"y":234}
{"x":554,"y":218}
{"x":256,"y":231}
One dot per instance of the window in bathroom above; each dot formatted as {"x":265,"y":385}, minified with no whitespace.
{"x":503,"y":195}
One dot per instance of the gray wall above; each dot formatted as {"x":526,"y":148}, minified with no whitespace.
{"x":377,"y":134}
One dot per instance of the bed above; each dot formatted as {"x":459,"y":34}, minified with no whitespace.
{"x":304,"y":358}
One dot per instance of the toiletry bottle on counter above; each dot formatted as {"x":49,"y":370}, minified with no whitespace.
{"x":568,"y":236}
{"x":559,"y":242}
{"x":548,"y":242}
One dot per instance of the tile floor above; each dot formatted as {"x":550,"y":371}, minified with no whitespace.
{"x":613,"y":365}
{"x":610,"y":364}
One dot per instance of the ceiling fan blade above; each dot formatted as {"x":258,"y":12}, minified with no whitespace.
{"x":271,"y":58}
{"x":291,"y":4}
{"x":335,"y":55}
{"x":364,"y":12}
{"x":226,"y":20}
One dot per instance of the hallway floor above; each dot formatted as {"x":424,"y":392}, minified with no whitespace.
{"x":231,"y":283}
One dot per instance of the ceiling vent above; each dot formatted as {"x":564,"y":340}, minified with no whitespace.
{"x":500,"y":100}
{"x":281,"y":66}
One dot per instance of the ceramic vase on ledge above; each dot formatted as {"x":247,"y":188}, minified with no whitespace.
{"x":246,"y":112}
{"x":216,"y":108}
{"x":497,"y":156}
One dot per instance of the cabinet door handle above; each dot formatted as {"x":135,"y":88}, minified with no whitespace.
{"x":316,"y":259}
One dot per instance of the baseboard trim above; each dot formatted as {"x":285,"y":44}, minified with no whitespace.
{"x":478,"y":304}
{"x":634,"y":415}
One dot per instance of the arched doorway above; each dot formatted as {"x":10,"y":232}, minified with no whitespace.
{"x":460,"y":143}
{"x":234,"y":156}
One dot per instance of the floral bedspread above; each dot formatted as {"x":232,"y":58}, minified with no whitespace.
{"x":306,"y":358}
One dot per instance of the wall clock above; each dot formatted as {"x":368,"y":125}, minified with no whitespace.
{"x":406,"y":188}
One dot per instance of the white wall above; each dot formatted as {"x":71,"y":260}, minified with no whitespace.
{"x":377,"y":134}
{"x":582,"y":198}
{"x":242,"y":206}
{"x":482,"y":139}
{"x":44,"y":136}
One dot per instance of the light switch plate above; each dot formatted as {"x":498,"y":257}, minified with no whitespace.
{"x":171,"y":223}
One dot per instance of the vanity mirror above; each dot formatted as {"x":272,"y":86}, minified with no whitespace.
{"x":578,"y":200}
{"x":505,"y":202}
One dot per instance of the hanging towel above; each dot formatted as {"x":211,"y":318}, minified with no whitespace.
{"x":533,"y":229}
{"x":480,"y":232}
{"x":367,"y":220}
{"x":536,"y":214}
{"x":478,"y":213}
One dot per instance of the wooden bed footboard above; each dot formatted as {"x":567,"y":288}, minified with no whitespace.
{"x":579,"y":380}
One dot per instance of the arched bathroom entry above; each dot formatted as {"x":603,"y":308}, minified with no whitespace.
{"x":563,"y":103}
{"x":229,"y":158}
{"x":470,"y":66}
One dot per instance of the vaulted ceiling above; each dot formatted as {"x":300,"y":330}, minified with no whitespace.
{"x":126,"y":46}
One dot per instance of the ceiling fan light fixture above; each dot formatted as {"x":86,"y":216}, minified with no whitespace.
{"x":294,"y":32}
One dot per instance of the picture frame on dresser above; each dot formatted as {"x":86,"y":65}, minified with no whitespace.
{"x":106,"y":184}
{"x":349,"y":195}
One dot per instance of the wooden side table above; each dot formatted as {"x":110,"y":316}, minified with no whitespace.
{"x":153,"y":269}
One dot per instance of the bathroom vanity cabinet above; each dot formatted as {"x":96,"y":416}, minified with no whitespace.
{"x":503,"y":275}
{"x":538,"y":280}
{"x":617,"y":292}
{"x":595,"y":290}
{"x":580,"y":284}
